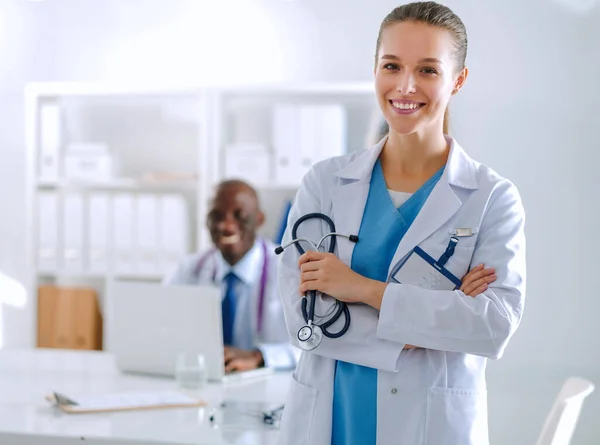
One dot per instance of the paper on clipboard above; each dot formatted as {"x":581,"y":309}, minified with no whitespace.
{"x":125,"y":401}
{"x":420,"y":269}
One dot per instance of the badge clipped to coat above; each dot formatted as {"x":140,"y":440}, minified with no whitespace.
{"x":421,"y":269}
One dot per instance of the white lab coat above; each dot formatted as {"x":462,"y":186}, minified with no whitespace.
{"x":272,"y":339}
{"x":430,"y":396}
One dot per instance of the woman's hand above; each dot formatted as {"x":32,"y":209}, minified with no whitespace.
{"x":326,"y":273}
{"x":477,"y":280}
{"x":473,"y":283}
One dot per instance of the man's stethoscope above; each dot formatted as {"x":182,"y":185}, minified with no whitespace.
{"x":263,"y":278}
{"x":311,"y":334}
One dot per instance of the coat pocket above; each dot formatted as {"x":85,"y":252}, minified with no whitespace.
{"x":456,"y":417}
{"x":298,"y":414}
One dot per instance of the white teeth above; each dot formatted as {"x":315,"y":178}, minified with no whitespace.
{"x":402,"y":106}
{"x":232,"y":239}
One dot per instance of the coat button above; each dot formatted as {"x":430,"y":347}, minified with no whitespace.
{"x":394,"y":390}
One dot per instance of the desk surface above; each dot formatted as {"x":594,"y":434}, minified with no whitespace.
{"x":26,"y":376}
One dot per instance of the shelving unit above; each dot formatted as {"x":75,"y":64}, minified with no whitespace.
{"x":117,"y":184}
{"x":165,"y":141}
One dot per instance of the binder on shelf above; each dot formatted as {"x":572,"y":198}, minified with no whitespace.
{"x":98,"y":234}
{"x":287,"y":133}
{"x":307,"y":139}
{"x":330,"y":132}
{"x":47,"y":221}
{"x":73,"y":238}
{"x":304,"y":135}
{"x":50,"y":142}
{"x":146,"y":233}
{"x":122,"y":230}
{"x":174,"y":231}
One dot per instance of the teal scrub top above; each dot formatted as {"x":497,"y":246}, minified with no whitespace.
{"x":382,"y":228}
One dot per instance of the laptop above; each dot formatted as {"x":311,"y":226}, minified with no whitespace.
{"x":148,"y":325}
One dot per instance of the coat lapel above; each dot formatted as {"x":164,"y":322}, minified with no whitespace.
{"x":348,"y":206}
{"x":350,"y":197}
{"x":442,"y":203}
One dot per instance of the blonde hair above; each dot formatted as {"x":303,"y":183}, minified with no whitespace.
{"x":433,"y":14}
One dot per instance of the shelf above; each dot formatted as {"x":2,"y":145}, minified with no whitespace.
{"x":66,"y":89}
{"x":58,"y":89}
{"x":98,"y":276}
{"x":272,"y":186}
{"x":168,"y":139}
{"x":140,"y":277}
{"x":325,"y":89}
{"x":70,"y":275}
{"x":124,"y":184}
{"x":133,"y":185}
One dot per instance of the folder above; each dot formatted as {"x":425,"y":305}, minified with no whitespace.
{"x":122,"y":230}
{"x":47,"y":221}
{"x":309,"y":126}
{"x":304,"y":135}
{"x":330,"y":133}
{"x":174,"y":231}
{"x":73,"y":241}
{"x":50,"y":141}
{"x":323,"y":133}
{"x":98,"y":242}
{"x":146,"y":245}
{"x":287,"y":134}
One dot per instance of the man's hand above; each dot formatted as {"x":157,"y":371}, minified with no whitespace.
{"x":242,"y":360}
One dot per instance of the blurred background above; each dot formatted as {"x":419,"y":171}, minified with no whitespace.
{"x":118,"y":116}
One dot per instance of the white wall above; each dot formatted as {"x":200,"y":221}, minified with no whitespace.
{"x":531,"y":110}
{"x":15,"y":47}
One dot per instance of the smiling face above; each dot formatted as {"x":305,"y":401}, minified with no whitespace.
{"x":415,"y":75}
{"x":233,"y":220}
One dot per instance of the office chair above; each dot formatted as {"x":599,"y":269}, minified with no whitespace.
{"x":562,"y":418}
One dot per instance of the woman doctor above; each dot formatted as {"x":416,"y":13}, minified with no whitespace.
{"x":417,"y":187}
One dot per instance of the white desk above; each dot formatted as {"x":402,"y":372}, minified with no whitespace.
{"x":26,"y":376}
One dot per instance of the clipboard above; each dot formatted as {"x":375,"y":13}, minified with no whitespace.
{"x":125,"y":401}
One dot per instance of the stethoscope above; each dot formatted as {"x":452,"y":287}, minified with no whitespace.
{"x":311,"y":335}
{"x":263,"y":278}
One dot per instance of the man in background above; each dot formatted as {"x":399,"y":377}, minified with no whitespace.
{"x":244,"y":265}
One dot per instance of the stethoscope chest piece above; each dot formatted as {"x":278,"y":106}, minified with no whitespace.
{"x":309,"y":337}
